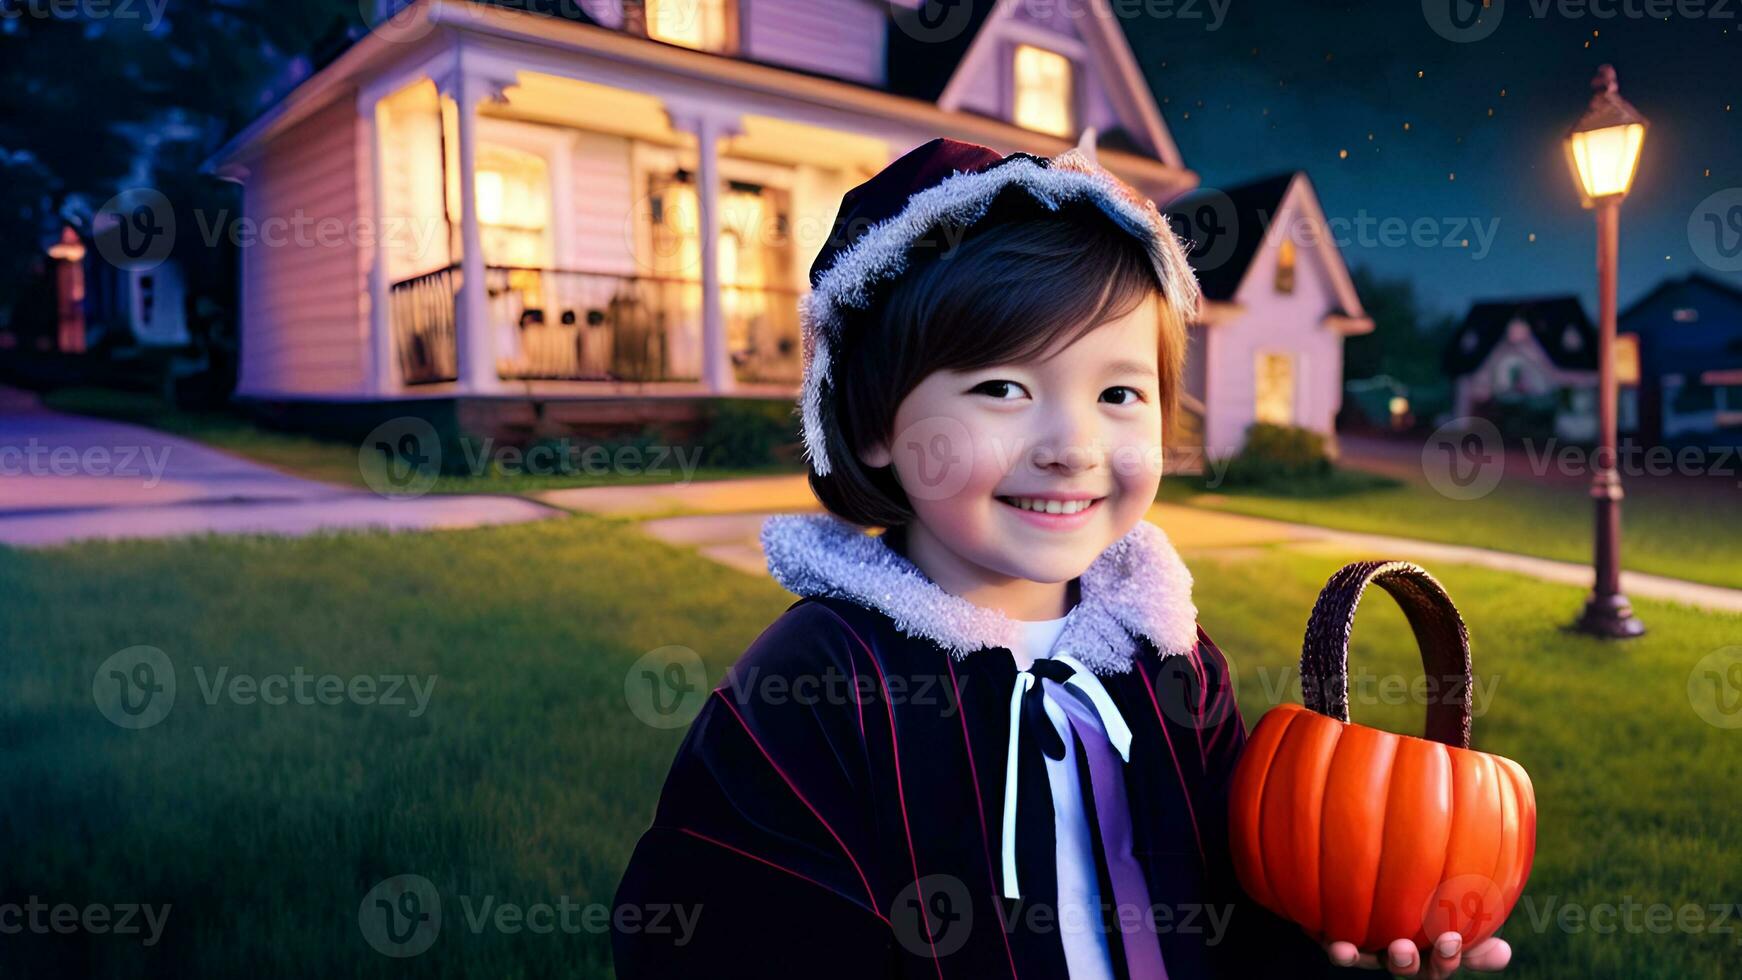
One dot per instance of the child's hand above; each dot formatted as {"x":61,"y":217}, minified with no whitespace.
{"x":1401,"y":957}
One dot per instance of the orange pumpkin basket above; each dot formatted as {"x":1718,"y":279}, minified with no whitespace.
{"x":1366,"y":836}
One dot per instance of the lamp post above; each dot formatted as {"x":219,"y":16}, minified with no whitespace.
{"x":1603,"y":150}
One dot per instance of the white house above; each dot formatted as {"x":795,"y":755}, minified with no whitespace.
{"x":1541,"y":352}
{"x":1278,"y":303}
{"x":504,"y":209}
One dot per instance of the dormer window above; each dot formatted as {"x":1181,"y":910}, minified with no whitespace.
{"x":1044,"y":91}
{"x":705,"y":25}
{"x":1285,"y":265}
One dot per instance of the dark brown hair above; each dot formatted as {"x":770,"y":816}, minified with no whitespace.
{"x":1005,"y":293}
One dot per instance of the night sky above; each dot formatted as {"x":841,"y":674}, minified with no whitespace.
{"x":1466,"y":133}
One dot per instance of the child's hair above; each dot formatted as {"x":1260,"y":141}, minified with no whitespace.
{"x":1007,"y":292}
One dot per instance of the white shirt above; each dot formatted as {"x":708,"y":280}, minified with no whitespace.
{"x":1087,"y":955}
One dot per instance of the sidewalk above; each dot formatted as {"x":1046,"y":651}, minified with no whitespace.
{"x":66,"y":478}
{"x":721,"y":521}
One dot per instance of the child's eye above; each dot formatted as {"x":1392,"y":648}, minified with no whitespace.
{"x":1122,"y":395}
{"x":999,"y":389}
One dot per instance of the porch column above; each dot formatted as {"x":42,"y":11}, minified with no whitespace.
{"x":474,"y":340}
{"x":380,"y":346}
{"x":709,"y":128}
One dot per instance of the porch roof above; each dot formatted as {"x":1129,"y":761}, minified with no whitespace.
{"x":376,"y":53}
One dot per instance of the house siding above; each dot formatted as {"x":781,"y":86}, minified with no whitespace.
{"x":605,"y":199}
{"x":842,"y":38}
{"x":304,"y":287}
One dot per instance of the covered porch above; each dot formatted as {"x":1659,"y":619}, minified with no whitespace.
{"x":543,"y":234}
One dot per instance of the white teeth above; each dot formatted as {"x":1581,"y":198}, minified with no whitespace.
{"x":1050,"y":506}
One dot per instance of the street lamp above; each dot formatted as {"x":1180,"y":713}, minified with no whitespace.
{"x":1603,"y":151}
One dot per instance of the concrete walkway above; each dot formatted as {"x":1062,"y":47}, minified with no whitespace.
{"x":66,"y":478}
{"x":721,"y":521}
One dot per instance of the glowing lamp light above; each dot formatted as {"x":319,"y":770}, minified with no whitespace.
{"x":1603,"y":147}
{"x":68,"y":248}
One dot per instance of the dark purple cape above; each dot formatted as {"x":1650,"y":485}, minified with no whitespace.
{"x":835,"y":813}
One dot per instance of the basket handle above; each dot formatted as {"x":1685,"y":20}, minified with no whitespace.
{"x":1439,"y":632}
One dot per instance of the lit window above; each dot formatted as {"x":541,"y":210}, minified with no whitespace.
{"x":1043,"y":91}
{"x":1685,"y":314}
{"x":706,"y":25}
{"x":1627,"y":358}
{"x":514,"y":206}
{"x":1274,"y":387}
{"x":1285,"y":265}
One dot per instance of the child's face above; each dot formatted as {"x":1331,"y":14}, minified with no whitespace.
{"x":1030,"y":470}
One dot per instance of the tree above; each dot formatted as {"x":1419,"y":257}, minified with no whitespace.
{"x":92,"y":94}
{"x":1406,"y":340}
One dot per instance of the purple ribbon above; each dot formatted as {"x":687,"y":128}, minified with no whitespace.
{"x":1113,"y":819}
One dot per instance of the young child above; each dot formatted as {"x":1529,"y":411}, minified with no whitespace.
{"x":992,"y":741}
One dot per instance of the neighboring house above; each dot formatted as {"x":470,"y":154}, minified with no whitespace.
{"x":1278,"y":303}
{"x":1690,"y":359}
{"x":1538,"y":355}
{"x":98,"y":302}
{"x":505,"y":210}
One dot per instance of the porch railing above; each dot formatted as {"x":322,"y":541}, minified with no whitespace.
{"x":570,"y":325}
{"x":422,"y":311}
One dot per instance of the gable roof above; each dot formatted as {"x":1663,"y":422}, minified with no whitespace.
{"x":960,"y":36}
{"x":1693,"y":280}
{"x":925,"y":46}
{"x":1548,"y":318}
{"x":1226,"y":228}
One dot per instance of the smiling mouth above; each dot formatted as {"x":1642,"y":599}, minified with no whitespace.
{"x":1043,"y":505}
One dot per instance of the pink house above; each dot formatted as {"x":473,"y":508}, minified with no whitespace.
{"x":505,"y":209}
{"x":1278,"y":303}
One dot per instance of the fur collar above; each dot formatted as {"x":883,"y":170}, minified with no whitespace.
{"x":1139,"y":587}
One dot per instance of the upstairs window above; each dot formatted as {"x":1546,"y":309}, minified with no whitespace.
{"x":705,"y":25}
{"x":1285,"y":265}
{"x":1043,"y":89}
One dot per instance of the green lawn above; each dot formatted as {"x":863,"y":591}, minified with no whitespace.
{"x":528,"y":778}
{"x":1666,"y":530}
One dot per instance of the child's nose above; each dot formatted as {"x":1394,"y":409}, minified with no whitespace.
{"x":1072,"y":445}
